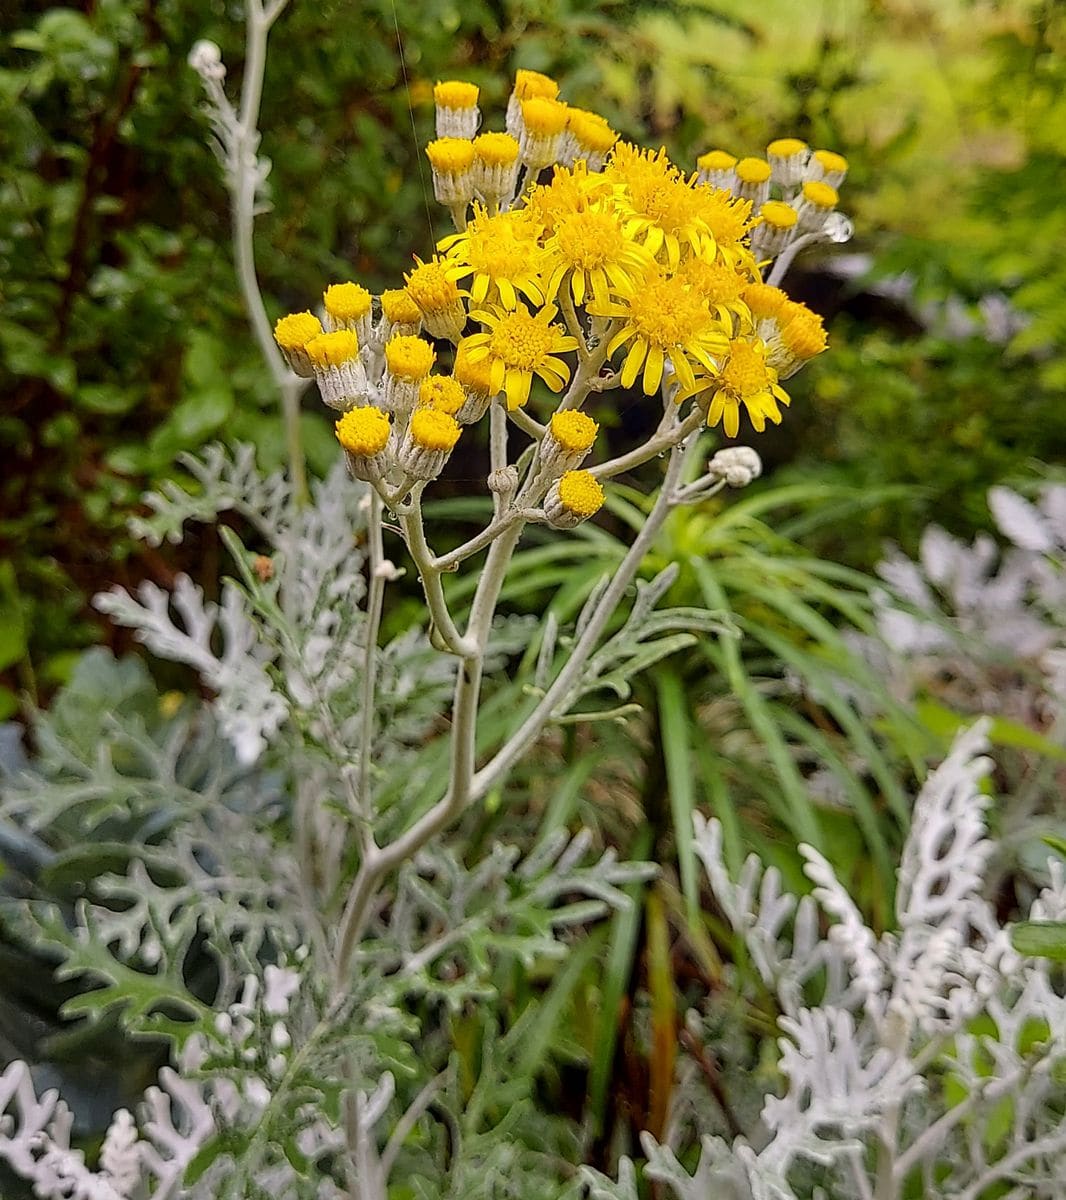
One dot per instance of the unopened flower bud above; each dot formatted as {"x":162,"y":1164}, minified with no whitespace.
{"x":504,"y":481}
{"x":717,"y":168}
{"x":457,"y":114}
{"x":788,"y":161}
{"x":205,"y":58}
{"x":752,"y":180}
{"x":737,"y":465}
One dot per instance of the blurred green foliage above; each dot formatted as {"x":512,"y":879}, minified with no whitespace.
{"x":122,"y":337}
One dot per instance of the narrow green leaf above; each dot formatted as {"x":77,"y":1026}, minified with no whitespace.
{"x":674,"y":725}
{"x":623,"y":942}
{"x":1040,"y":939}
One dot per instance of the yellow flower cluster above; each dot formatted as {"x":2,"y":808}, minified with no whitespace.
{"x":585,"y":263}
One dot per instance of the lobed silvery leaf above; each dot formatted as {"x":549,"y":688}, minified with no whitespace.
{"x":250,"y":710}
{"x":228,"y":480}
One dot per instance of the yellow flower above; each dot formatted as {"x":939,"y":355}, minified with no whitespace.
{"x":495,"y":149}
{"x":574,"y":431}
{"x":495,"y":165}
{"x":764,"y":301}
{"x":363,"y":431}
{"x":502,"y":254}
{"x":657,"y":202}
{"x":814,"y":203}
{"x":719,"y":286}
{"x":296,"y":330}
{"x":455,"y":93}
{"x":796,"y":335}
{"x":591,"y":133}
{"x":430,"y":286}
{"x":472,"y":375}
{"x":580,"y":492}
{"x":292,"y":334}
{"x":333,"y":349}
{"x":443,"y":393}
{"x":530,"y":84}
{"x":433,"y":430}
{"x":590,"y":251}
{"x":744,"y":377}
{"x":450,"y":156}
{"x":518,"y":346}
{"x":715,"y":161}
{"x":346,"y":302}
{"x":828,"y":166}
{"x":727,"y":221}
{"x":571,"y":190}
{"x":664,"y":318}
{"x":400,"y":311}
{"x":802,"y":330}
{"x":409,"y":358}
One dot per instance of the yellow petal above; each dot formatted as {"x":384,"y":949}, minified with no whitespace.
{"x":653,"y":370}
{"x":518,"y":388}
{"x":633,"y":362}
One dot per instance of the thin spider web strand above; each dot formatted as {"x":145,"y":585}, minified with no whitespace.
{"x":414,"y":129}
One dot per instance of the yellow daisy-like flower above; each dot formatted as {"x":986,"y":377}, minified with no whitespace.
{"x":802,"y":330}
{"x":744,"y":377}
{"x":503,"y":256}
{"x":296,"y":330}
{"x":591,"y":133}
{"x":659,"y":205}
{"x":450,"y":156}
{"x":474,"y":377}
{"x":292,"y":334}
{"x":716,"y":161}
{"x":591,"y":253}
{"x":455,"y":93}
{"x":728,"y":221}
{"x":764,"y":301}
{"x":363,"y":431}
{"x":528,"y":84}
{"x":720,"y":287}
{"x":795,"y":335}
{"x":571,"y":190}
{"x":663,"y":318}
{"x":518,"y":346}
{"x":495,"y":149}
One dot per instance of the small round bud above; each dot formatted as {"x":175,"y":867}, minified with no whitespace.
{"x":504,"y":481}
{"x":205,"y":58}
{"x":737,"y":465}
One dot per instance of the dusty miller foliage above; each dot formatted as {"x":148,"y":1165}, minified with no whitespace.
{"x":927,"y":1061}
{"x":208,"y":847}
{"x":980,"y":629}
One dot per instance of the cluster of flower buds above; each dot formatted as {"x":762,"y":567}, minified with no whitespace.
{"x":540,"y":131}
{"x":580,"y":263}
{"x":794,"y":191}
